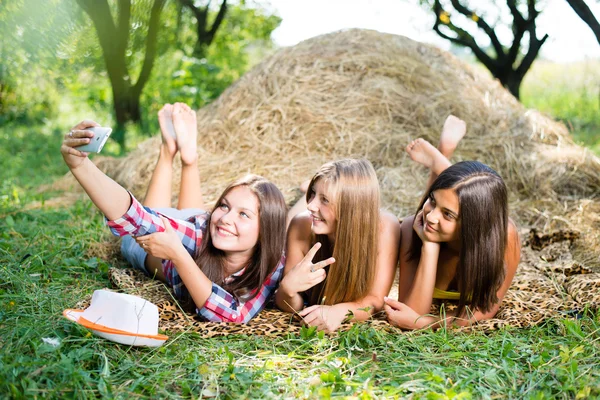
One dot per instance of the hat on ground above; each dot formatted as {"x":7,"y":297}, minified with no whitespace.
{"x":122,"y":318}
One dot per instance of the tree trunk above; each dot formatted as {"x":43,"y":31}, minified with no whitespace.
{"x":508,"y":77}
{"x":513,"y":84}
{"x":127,"y":108}
{"x":113,"y":39}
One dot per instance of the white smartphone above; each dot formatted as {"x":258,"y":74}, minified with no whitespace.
{"x":96,"y":143}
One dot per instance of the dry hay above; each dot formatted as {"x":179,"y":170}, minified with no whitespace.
{"x":360,"y":93}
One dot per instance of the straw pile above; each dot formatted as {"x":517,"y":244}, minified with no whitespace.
{"x":361,"y":93}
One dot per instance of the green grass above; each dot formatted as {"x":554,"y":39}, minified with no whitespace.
{"x":44,"y":268}
{"x":570,"y":93}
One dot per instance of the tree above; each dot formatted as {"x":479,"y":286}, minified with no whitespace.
{"x":584,"y":12}
{"x":205,"y":35}
{"x":30,"y":32}
{"x":243,"y":39}
{"x":509,"y":64}
{"x":114,"y":38}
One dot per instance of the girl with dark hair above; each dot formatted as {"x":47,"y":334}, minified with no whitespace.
{"x":342,"y":252}
{"x":460,"y":245}
{"x":228,"y":262}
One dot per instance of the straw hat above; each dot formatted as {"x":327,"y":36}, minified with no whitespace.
{"x":122,"y":318}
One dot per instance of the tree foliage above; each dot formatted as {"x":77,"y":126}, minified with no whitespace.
{"x":508,"y":63}
{"x":243,"y":38}
{"x":50,"y":55}
{"x":30,"y":32}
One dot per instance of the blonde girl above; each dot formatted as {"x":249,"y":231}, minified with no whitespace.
{"x":342,"y":252}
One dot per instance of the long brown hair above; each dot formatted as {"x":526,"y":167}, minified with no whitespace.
{"x":483,"y":214}
{"x":354,"y":189}
{"x":268,"y":249}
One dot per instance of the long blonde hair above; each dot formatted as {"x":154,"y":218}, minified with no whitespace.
{"x":354,"y":190}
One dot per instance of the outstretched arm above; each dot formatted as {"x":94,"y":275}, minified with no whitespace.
{"x":110,"y":197}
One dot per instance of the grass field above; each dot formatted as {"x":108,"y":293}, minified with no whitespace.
{"x":45,"y":268}
{"x":569,"y":93}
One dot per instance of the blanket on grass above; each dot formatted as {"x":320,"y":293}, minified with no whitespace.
{"x":548,"y":283}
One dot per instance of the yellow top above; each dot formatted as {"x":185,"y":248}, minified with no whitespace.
{"x":445,"y":295}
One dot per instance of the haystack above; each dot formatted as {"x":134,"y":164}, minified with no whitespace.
{"x":360,"y":93}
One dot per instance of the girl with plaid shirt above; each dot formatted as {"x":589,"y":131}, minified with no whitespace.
{"x":229,"y":262}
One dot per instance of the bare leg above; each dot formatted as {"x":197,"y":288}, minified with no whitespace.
{"x":422,"y":152}
{"x":452,"y":132}
{"x":159,"y":189}
{"x":186,"y":128}
{"x":300,"y":205}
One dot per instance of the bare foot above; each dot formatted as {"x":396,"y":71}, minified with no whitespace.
{"x":304,"y":186}
{"x":186,"y":128}
{"x":167,"y":130}
{"x":453,"y":131}
{"x":421,"y":151}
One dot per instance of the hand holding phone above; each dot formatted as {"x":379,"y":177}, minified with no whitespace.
{"x":96,"y":143}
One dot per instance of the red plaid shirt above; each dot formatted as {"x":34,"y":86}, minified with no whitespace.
{"x":221,"y":305}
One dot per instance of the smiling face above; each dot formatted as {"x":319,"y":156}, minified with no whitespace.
{"x":321,"y":209}
{"x":441,"y":221}
{"x":234,"y":223}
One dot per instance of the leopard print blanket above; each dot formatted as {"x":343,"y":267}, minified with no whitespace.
{"x":548,"y":283}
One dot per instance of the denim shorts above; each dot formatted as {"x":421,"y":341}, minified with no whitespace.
{"x":135,"y":254}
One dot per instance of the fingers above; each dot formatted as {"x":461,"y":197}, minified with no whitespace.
{"x":86,"y":123}
{"x":75,"y":142}
{"x":322,"y":264}
{"x":74,"y":139}
{"x":393,"y":303}
{"x":313,"y":318}
{"x":308,"y":310}
{"x":418,"y":222}
{"x":167,"y":223}
{"x":311,"y":253}
{"x":317,"y":277}
{"x":389,"y":312}
{"x":79,"y":134}
{"x":72,"y":151}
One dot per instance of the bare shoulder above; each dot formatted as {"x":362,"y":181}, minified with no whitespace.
{"x":300,"y":226}
{"x":407,"y":227}
{"x":513,"y":232}
{"x":513,"y":247}
{"x":389,"y":224}
{"x":299,"y":234}
{"x":406,"y":238}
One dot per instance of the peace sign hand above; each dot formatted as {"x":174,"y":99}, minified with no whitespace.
{"x":305,"y":274}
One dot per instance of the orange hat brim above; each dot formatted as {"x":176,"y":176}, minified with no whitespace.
{"x":101,"y":328}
